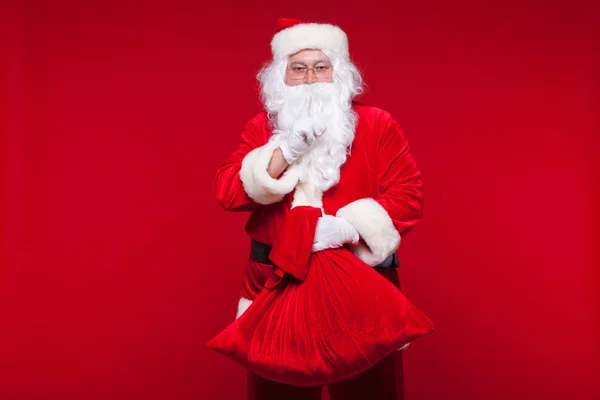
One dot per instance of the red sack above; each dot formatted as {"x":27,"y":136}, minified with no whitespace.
{"x":323,"y":317}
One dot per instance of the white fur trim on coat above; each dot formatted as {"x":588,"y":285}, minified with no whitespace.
{"x":309,"y":36}
{"x":403,"y":347}
{"x":375,"y":227}
{"x":308,"y":193}
{"x":243,"y":305}
{"x":258,"y":184}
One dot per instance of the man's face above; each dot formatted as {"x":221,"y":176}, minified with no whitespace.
{"x":308,"y":66}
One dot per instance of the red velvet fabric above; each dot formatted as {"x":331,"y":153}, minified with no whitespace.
{"x":284,"y":23}
{"x":380,"y":166}
{"x":337,"y":322}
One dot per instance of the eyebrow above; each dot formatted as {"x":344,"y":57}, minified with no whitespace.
{"x":316,"y":62}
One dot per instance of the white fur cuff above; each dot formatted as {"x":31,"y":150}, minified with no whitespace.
{"x":258,"y":184}
{"x":375,"y":227}
{"x":243,"y":305}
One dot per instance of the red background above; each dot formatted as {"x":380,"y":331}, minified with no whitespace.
{"x":118,"y":265}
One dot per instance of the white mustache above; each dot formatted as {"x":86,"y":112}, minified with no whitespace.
{"x":323,"y":104}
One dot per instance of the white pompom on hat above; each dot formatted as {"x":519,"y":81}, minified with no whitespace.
{"x":295,"y":35}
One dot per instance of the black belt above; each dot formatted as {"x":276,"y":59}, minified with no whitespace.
{"x":259,"y":252}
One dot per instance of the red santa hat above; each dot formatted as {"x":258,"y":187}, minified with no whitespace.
{"x":294,"y":35}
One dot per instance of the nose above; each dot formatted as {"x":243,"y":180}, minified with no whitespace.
{"x":311,"y":76}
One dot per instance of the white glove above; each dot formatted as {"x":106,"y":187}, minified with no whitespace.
{"x":298,"y":141}
{"x":333,"y":232}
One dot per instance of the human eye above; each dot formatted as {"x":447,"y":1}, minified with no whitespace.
{"x":298,"y":68}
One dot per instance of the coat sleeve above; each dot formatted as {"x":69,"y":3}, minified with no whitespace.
{"x":381,"y":221}
{"x":242,"y":181}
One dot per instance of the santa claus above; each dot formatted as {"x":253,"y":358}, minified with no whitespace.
{"x":313,"y":145}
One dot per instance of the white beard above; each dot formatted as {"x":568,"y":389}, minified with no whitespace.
{"x":324,"y":103}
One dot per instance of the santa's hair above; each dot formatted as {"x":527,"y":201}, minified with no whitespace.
{"x":272,"y":80}
{"x":346,"y":83}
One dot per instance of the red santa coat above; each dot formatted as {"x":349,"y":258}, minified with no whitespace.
{"x":379,"y":192}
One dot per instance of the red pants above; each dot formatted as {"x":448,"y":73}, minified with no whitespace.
{"x":382,"y":382}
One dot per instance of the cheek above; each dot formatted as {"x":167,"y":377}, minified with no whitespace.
{"x":292,"y":82}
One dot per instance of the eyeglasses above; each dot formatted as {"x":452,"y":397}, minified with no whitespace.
{"x":301,"y":71}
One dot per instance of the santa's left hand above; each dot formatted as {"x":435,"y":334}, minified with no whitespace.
{"x":333,"y":232}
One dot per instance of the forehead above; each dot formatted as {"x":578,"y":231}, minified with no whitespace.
{"x":308,"y":57}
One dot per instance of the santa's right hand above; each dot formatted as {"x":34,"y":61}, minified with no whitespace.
{"x":299,"y":140}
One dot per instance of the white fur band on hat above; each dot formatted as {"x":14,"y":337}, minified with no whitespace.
{"x":309,"y":36}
